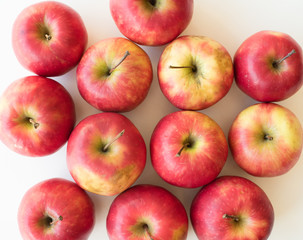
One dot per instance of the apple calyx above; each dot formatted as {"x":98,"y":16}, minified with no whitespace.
{"x":193,"y":68}
{"x":268,"y":137}
{"x":234,"y":218}
{"x":121,"y":61}
{"x":105,"y":148}
{"x":33,"y":122}
{"x":276,"y":63}
{"x":146,"y":228}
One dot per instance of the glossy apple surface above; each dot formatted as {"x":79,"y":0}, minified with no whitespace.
{"x":232,"y":208}
{"x":56,"y":209}
{"x":49,"y":38}
{"x":195,"y":72}
{"x":106,"y":153}
{"x":114,"y":75}
{"x":147,"y":212}
{"x":260,"y":70}
{"x":152,"y":22}
{"x":188,"y":149}
{"x":266,"y":139}
{"x":37,"y":115}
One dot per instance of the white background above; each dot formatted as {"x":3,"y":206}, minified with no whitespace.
{"x":230,"y":23}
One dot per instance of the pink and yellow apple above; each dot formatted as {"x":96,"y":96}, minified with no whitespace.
{"x":114,"y":75}
{"x":49,"y":38}
{"x":37,"y":115}
{"x":152,"y":22}
{"x":195,"y":72}
{"x":266,"y":139}
{"x":106,"y":153}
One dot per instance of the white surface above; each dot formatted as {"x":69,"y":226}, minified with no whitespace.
{"x":230,"y":23}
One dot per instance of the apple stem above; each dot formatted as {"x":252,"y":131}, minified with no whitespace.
{"x":60,"y":218}
{"x":34,"y":123}
{"x":112,"y":141}
{"x":235,"y":218}
{"x":268,"y":137}
{"x":47,"y":36}
{"x":276,"y":63}
{"x":122,"y":59}
{"x":193,"y":68}
{"x":146,"y":228}
{"x":182,"y":148}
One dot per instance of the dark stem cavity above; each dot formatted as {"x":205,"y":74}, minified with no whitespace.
{"x":121,"y":61}
{"x":267,"y":137}
{"x":276,"y":63}
{"x":146,"y":228}
{"x":153,"y":2}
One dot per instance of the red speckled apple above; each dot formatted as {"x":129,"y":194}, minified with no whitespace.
{"x":232,"y":208}
{"x":56,"y":209}
{"x":49,"y":38}
{"x":37,"y":115}
{"x":269,"y":66}
{"x":114,"y":75}
{"x":188,"y":149}
{"x":106,"y":153}
{"x":146,"y":212}
{"x":152,"y":22}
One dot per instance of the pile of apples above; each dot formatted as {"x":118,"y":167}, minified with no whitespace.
{"x":106,"y":153}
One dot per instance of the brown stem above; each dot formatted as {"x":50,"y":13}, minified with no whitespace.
{"x":235,"y":218}
{"x":182,"y":148}
{"x":47,"y":36}
{"x":34,"y":123}
{"x":193,"y":68}
{"x":268,"y":137}
{"x":121,"y":61}
{"x":54,"y":221}
{"x":112,"y":141}
{"x":146,"y":228}
{"x":277,"y":62}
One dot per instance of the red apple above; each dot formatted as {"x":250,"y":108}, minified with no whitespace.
{"x":56,"y":209}
{"x":269,"y":66}
{"x":114,"y":75}
{"x":106,"y":153}
{"x":188,"y":149}
{"x":152,"y":22}
{"x":37,"y":115}
{"x":232,"y":208}
{"x":266,"y":139}
{"x":195,"y":72}
{"x":146,"y":212}
{"x":49,"y":38}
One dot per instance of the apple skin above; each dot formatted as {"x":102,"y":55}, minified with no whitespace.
{"x":206,"y":78}
{"x":56,"y":209}
{"x":266,"y":139}
{"x":105,"y":172}
{"x":255,"y":73}
{"x":201,"y":161}
{"x":126,"y":86}
{"x":152,"y":22}
{"x":237,"y":197}
{"x":37,"y":115}
{"x":147,"y":212}
{"x":59,"y":54}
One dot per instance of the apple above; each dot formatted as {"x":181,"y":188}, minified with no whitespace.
{"x":49,"y":38}
{"x":266,"y":139}
{"x":195,"y":72}
{"x":269,"y":66}
{"x":145,"y":212}
{"x":56,"y":209}
{"x":188,"y":149}
{"x":37,"y":115}
{"x":106,"y":153}
{"x":152,"y":22}
{"x":232,"y":208}
{"x":114,"y":75}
